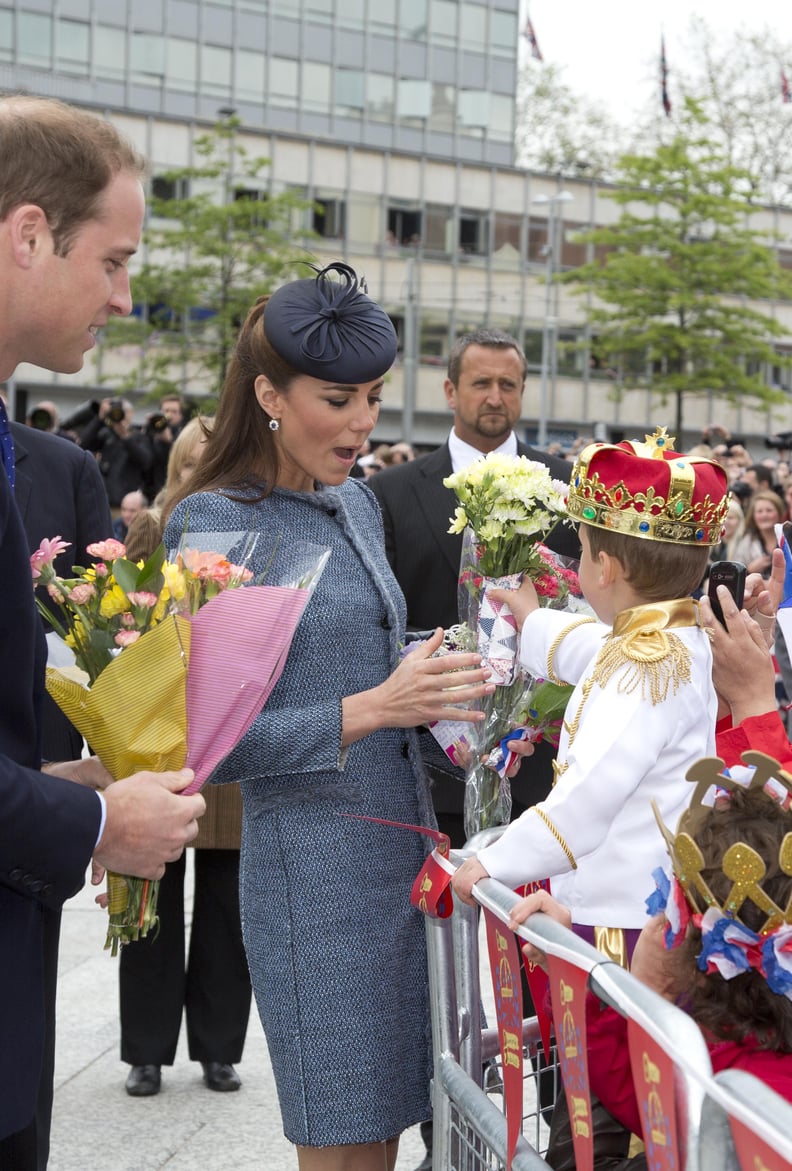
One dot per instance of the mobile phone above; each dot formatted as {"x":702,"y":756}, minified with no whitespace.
{"x":730,"y":574}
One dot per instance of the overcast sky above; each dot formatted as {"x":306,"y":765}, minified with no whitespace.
{"x":610,"y":50}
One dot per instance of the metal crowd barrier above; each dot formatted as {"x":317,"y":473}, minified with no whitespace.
{"x":469,"y":1122}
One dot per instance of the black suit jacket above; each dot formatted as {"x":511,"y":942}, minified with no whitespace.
{"x":59,"y":493}
{"x":416,"y":513}
{"x":48,"y":829}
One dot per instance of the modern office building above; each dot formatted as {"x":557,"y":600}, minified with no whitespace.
{"x":398,"y":119}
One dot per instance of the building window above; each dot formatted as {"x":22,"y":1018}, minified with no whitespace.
{"x":404,"y":226}
{"x":473,"y":26}
{"x":537,"y":241}
{"x":349,"y":92}
{"x":109,"y":51}
{"x":573,"y":253}
{"x":34,"y":40}
{"x":379,"y":97}
{"x":6,"y":35}
{"x":414,"y":98}
{"x":413,"y":19}
{"x":443,"y":116}
{"x":433,"y":339}
{"x":283,"y":78}
{"x":504,"y":30}
{"x":316,"y":87}
{"x":443,"y":21}
{"x":438,"y":230}
{"x":215,"y":70}
{"x":182,"y":64}
{"x":473,"y":233}
{"x":351,"y":13}
{"x":507,"y":251}
{"x":166,"y":189}
{"x":329,"y":218}
{"x":147,"y":58}
{"x":72,"y":44}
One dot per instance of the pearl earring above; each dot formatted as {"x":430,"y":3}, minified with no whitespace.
{"x":274,"y":425}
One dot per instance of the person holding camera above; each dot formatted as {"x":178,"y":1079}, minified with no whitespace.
{"x":160,"y":432}
{"x":124,"y":452}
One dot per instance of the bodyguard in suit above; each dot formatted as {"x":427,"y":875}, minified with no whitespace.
{"x":484,"y":389}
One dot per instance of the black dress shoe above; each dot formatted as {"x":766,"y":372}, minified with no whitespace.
{"x":143,"y":1081}
{"x":221,"y":1077}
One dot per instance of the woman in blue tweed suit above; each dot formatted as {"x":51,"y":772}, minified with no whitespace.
{"x":336,"y":952}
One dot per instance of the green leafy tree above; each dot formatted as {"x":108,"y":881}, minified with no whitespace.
{"x":672,"y":279}
{"x":210,"y":249}
{"x":563,"y":132}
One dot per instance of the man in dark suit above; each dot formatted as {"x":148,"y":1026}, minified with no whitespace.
{"x":69,"y":221}
{"x":484,"y":388}
{"x":58,"y":491}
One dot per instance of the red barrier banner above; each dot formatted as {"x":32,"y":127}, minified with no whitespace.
{"x":431,"y":891}
{"x":752,"y":1151}
{"x":537,"y":979}
{"x":653,"y":1078}
{"x":505,"y":968}
{"x":568,"y":986}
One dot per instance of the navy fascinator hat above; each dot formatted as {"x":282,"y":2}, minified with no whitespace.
{"x":330,"y":328}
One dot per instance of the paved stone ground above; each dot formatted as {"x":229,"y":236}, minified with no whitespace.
{"x":98,"y":1127}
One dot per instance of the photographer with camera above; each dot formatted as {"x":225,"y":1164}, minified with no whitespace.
{"x":124,"y":452}
{"x":161,"y":428}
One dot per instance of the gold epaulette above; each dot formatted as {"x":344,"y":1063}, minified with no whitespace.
{"x":643,"y":639}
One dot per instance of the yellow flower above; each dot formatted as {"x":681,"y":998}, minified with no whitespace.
{"x":175,"y":582}
{"x":113,"y":602}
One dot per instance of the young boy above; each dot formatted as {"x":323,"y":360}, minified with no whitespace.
{"x":643,"y":709}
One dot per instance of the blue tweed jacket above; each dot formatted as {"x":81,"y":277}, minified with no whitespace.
{"x":336,"y":952}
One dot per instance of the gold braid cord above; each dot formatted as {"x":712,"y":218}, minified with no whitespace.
{"x":556,"y":832}
{"x":656,"y":661}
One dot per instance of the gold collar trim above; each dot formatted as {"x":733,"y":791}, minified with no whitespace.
{"x":657,"y":616}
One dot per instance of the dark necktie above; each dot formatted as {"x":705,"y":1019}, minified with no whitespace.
{"x":6,"y":445}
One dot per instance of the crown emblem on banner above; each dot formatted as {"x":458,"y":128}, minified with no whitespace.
{"x":649,"y":490}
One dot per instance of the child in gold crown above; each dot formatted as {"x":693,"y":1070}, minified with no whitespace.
{"x":643,"y":709}
{"x":718,"y":946}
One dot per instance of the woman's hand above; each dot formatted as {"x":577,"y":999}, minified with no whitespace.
{"x":742,"y":668}
{"x":762,"y":598}
{"x":420,"y":691}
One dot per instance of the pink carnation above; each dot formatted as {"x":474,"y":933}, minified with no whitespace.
{"x":208,"y":566}
{"x":547,"y":586}
{"x":143,"y":598}
{"x":100,"y":569}
{"x":55,"y":593}
{"x":109,"y":550}
{"x":126,"y":637}
{"x":82,"y":593}
{"x":128,"y":620}
{"x":46,"y":553}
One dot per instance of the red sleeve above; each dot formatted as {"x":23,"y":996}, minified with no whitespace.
{"x":609,"y":1063}
{"x":765,"y":733}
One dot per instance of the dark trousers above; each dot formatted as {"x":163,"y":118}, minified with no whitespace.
{"x":213,"y":989}
{"x":28,"y":1149}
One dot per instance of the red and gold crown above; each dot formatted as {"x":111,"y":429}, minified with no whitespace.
{"x":649,"y":490}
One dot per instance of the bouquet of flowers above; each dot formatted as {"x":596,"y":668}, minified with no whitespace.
{"x":172,"y":663}
{"x":507,"y":506}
